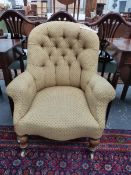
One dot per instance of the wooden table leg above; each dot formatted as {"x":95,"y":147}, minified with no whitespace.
{"x":7,"y":75}
{"x":124,"y":91}
{"x":0,"y":91}
{"x":126,"y":85}
{"x":115,"y":79}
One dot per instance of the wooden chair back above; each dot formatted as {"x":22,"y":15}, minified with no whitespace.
{"x":61,"y":16}
{"x":107,"y":26}
{"x":14,"y":22}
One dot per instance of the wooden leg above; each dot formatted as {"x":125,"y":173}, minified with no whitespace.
{"x":108,"y":110}
{"x":126,"y":85}
{"x":103,"y":69}
{"x":11,"y":105}
{"x":0,"y":91}
{"x":93,"y":143}
{"x":115,"y":79}
{"x":124,"y":91}
{"x":15,"y":71}
{"x":23,"y":141}
{"x":109,"y":77}
{"x":7,"y":75}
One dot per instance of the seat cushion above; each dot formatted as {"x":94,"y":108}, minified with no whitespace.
{"x":59,"y":113}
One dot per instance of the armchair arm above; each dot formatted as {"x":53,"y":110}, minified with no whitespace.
{"x":98,"y":94}
{"x":22,"y":90}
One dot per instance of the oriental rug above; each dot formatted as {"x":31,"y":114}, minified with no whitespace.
{"x":47,"y":157}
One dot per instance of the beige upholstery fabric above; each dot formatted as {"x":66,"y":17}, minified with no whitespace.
{"x":63,"y":114}
{"x":63,"y":53}
{"x":60,"y":96}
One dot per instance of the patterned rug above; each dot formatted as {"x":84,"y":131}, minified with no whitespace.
{"x":46,"y":157}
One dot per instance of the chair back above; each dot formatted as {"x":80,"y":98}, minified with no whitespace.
{"x":67,"y":3}
{"x":107,"y":26}
{"x":61,"y":16}
{"x":62,"y":54}
{"x":14,"y":23}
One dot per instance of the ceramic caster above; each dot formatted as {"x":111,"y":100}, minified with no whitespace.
{"x":23,"y":153}
{"x":18,"y":141}
{"x":91,"y":156}
{"x":23,"y":141}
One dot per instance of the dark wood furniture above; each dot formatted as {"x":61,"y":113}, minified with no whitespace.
{"x":33,"y":10}
{"x":2,"y":37}
{"x":127,"y":16}
{"x":67,"y":3}
{"x":14,"y":22}
{"x":122,"y":51}
{"x":61,"y":16}
{"x":107,"y":26}
{"x":6,"y":49}
{"x":99,"y":8}
{"x":90,"y":6}
{"x":37,"y":19}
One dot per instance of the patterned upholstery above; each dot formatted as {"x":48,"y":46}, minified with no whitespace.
{"x":60,"y":96}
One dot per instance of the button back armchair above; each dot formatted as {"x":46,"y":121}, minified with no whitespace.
{"x":60,"y":96}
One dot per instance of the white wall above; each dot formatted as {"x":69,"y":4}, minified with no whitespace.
{"x":108,"y":7}
{"x":128,"y":5}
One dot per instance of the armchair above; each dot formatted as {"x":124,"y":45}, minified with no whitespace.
{"x":60,"y":96}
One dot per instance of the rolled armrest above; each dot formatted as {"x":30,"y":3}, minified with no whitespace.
{"x":101,"y":88}
{"x":99,"y":93}
{"x":22,"y":90}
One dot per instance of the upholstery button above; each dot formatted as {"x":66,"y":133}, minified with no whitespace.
{"x":69,"y":64}
{"x":56,"y":45}
{"x":49,"y":35}
{"x":55,"y":64}
{"x":70,"y":47}
{"x":84,"y":47}
{"x":78,"y":36}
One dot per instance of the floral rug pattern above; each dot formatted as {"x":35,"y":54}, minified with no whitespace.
{"x":46,"y":157}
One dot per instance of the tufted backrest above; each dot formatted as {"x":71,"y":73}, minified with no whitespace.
{"x":62,"y":54}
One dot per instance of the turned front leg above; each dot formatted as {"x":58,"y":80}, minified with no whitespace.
{"x":93,"y":143}
{"x":23,"y":141}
